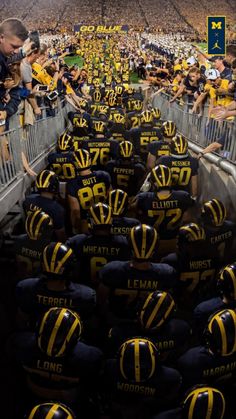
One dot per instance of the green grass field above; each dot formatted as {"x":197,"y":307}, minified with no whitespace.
{"x":75,"y":59}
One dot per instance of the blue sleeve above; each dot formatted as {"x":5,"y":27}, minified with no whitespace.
{"x":12,"y":106}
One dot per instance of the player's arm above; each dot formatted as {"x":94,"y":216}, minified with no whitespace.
{"x":180,"y":91}
{"x":74,"y":212}
{"x":151,"y":161}
{"x":199,"y":101}
{"x":194,"y":186}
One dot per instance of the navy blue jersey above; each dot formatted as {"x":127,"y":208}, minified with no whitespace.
{"x":118,"y":132}
{"x":129,"y":286}
{"x":133,"y":119}
{"x":143,"y":136}
{"x":198,"y":365}
{"x":127,"y":176}
{"x":196,"y":273}
{"x":101,"y":151}
{"x":164,"y":214}
{"x":182,"y":170}
{"x":34,"y":297}
{"x":50,"y":206}
{"x":123,"y":225}
{"x":62,"y":164}
{"x":171,"y":338}
{"x":28,"y":253}
{"x":80,"y":366}
{"x":89,"y":189}
{"x":161,"y":388}
{"x":95,"y":251}
{"x":81,"y":123}
{"x":159,"y":148}
{"x":221,"y":239}
{"x":204,"y":310}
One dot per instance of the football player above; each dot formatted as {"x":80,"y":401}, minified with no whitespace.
{"x":88,"y":188}
{"x":95,"y":250}
{"x":124,"y":285}
{"x":54,"y":288}
{"x":184,"y":167}
{"x":160,"y":148}
{"x":216,"y":358}
{"x":28,"y":247}
{"x":220,"y":232}
{"x":144,"y":135}
{"x":47,"y":184}
{"x":61,"y":161}
{"x":163,"y":208}
{"x":118,"y":200}
{"x":126,"y":173}
{"x":101,"y":149}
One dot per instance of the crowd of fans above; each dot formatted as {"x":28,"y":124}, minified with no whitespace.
{"x":54,"y":16}
{"x":121,"y":288}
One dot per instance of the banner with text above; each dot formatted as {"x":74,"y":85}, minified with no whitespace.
{"x":101,"y":29}
{"x":216,"y":39}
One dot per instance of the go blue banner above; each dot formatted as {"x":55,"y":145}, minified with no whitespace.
{"x":216,"y":39}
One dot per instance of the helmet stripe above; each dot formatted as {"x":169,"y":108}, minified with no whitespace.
{"x":153,"y":359}
{"x":54,"y":255}
{"x":136,"y":251}
{"x":31,"y":416}
{"x":45,"y":183}
{"x":121,"y":361}
{"x":210,"y":405}
{"x":214,"y":213}
{"x":192,"y":405}
{"x":42,"y":219}
{"x":102,"y":215}
{"x":144,"y":241}
{"x":156,"y":308}
{"x":45,"y":261}
{"x":144,"y":307}
{"x":30,"y":227}
{"x":68,"y":337}
{"x":96,"y":219}
{"x":62,"y":261}
{"x":137,"y":361}
{"x":52,"y":411}
{"x":149,"y":253}
{"x":42,"y":326}
{"x":221,"y":215}
{"x":54,"y":332}
{"x":116,"y":202}
{"x":191,"y":231}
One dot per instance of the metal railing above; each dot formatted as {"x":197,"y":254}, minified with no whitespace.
{"x":197,"y":128}
{"x":33,"y":142}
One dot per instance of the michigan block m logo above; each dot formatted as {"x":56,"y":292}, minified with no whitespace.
{"x":216,"y":25}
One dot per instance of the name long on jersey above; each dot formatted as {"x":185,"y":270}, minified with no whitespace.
{"x":101,"y":151}
{"x":164,"y":212}
{"x":143,"y":136}
{"x":89,"y":189}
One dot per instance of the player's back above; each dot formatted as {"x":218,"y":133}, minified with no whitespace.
{"x":126,"y":175}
